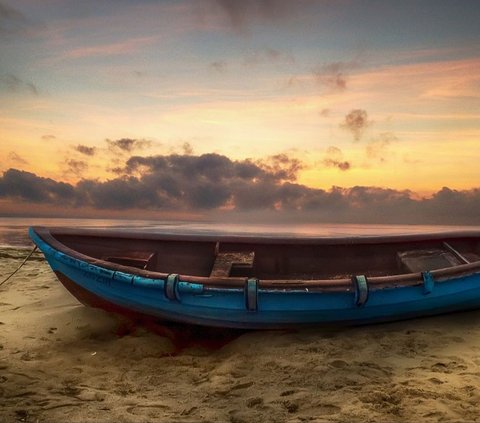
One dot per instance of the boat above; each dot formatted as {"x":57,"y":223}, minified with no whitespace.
{"x":266,"y":282}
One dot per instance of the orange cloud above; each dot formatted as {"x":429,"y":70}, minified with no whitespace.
{"x":112,"y":49}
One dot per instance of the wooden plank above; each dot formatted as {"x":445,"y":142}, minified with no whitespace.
{"x":224,"y":262}
{"x":138,"y":259}
{"x":426,"y":260}
{"x":456,"y":253}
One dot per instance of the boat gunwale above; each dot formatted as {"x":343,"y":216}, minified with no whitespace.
{"x":47,"y":234}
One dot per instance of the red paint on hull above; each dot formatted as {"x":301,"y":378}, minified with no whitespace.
{"x":182,"y":335}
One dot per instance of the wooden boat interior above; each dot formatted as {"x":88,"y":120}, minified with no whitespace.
{"x":275,"y":259}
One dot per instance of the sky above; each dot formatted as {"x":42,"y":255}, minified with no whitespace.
{"x":339,"y":110}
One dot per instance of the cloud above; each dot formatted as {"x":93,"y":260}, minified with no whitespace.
{"x":281,"y":166}
{"x":212,"y":182}
{"x":21,"y":185}
{"x":187,"y":148}
{"x":117,"y":194}
{"x":127,"y":145}
{"x":334,"y":75}
{"x":14,"y":157}
{"x":449,"y":204}
{"x":77,"y":167}
{"x":356,"y":121}
{"x":334,"y":158}
{"x":14,"y":84}
{"x":83,"y":149}
{"x":378,"y":148}
{"x":186,"y":182}
{"x":125,"y":47}
{"x":48,"y":137}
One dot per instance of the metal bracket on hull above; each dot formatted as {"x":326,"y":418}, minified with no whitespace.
{"x":171,"y":287}
{"x":251,"y":294}
{"x":361,"y":289}
{"x":428,"y":282}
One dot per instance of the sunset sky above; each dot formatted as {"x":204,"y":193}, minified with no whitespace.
{"x":332,"y":107}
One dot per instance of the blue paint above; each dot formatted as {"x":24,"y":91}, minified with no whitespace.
{"x":142,"y":282}
{"x":428,"y":282}
{"x":232,"y":307}
{"x":123,"y":277}
{"x":189,"y":288}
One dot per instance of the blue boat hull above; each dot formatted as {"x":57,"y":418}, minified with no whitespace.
{"x":184,"y":301}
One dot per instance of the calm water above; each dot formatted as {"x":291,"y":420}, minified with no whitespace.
{"x":13,"y":231}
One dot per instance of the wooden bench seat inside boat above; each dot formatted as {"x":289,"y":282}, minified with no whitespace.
{"x":428,"y":259}
{"x":471,"y":257}
{"x":138,"y":259}
{"x":233,"y":264}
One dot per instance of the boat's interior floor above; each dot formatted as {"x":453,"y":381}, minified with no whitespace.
{"x":276,"y":260}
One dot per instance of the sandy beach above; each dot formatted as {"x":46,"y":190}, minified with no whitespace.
{"x":61,"y":361}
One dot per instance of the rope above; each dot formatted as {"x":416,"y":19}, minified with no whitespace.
{"x":19,"y":267}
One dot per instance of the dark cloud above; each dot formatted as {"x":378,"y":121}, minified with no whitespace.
{"x":356,"y":121}
{"x":127,"y":144}
{"x":341,"y":165}
{"x":187,"y":148}
{"x":449,"y":204}
{"x":88,"y":151}
{"x":117,"y":194}
{"x":213,"y":167}
{"x":77,"y":167}
{"x":334,"y":75}
{"x":14,"y":157}
{"x":21,"y":185}
{"x":282,"y":167}
{"x":215,"y":182}
{"x":14,"y":84}
{"x":186,"y":182}
{"x":380,"y":204}
{"x":334,"y":158}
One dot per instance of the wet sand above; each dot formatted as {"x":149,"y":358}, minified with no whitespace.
{"x":61,"y":361}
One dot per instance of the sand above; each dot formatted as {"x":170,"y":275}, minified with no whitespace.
{"x":61,"y":361}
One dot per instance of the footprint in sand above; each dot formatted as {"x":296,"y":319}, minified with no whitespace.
{"x":254,"y":402}
{"x":290,"y":406}
{"x":447,"y":367}
{"x":287,"y":393}
{"x":338,"y":364}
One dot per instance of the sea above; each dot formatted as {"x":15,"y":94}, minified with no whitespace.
{"x":14,"y":230}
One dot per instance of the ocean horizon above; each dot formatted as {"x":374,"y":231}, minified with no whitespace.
{"x":14,"y":230}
